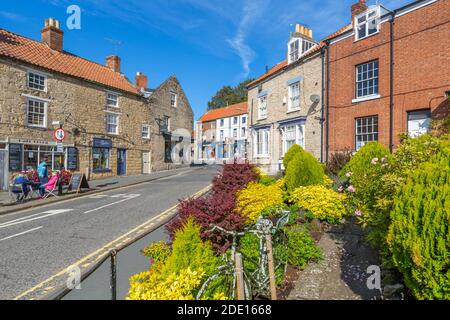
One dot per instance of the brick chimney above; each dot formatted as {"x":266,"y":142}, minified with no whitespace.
{"x":141,"y":81}
{"x":113,"y":62}
{"x":301,"y":30}
{"x":358,"y":8}
{"x":52,"y":35}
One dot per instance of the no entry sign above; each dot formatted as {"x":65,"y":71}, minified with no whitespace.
{"x":59,"y":134}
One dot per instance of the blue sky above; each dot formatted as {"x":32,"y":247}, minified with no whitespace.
{"x":206,"y":43}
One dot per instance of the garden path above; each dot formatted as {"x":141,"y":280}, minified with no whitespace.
{"x":342,"y":273}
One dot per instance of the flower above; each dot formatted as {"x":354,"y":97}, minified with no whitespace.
{"x":374,"y":161}
{"x":341,"y":188}
{"x":383,"y":159}
{"x":349,"y":174}
{"x":358,"y":213}
{"x":351,"y":189}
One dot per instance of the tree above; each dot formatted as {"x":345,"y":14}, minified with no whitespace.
{"x":229,"y":95}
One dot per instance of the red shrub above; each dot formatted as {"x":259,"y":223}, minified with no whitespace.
{"x":217,"y":208}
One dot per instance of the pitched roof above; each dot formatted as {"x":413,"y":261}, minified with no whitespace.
{"x":230,"y":111}
{"x":39,"y":54}
{"x":284,"y":63}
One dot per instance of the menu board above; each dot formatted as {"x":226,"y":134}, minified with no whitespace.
{"x":15,"y":157}
{"x":78,"y":182}
{"x":72,"y":158}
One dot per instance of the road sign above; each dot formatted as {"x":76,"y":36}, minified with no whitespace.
{"x":59,"y":134}
{"x":59,"y":147}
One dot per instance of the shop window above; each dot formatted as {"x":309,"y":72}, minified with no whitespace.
{"x":101,"y":157}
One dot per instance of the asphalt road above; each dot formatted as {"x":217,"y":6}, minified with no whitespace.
{"x":39,"y":243}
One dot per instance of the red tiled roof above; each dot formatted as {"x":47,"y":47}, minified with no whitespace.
{"x":230,"y":111}
{"x":284,"y":63}
{"x":39,"y":54}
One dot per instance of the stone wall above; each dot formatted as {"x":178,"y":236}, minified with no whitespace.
{"x":277,"y":91}
{"x":181,"y":121}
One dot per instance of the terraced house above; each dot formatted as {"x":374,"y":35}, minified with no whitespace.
{"x":114,"y":127}
{"x":286,"y":103}
{"x":389,"y":73}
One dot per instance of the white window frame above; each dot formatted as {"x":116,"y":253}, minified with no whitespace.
{"x":261,"y":143}
{"x":372,"y":133}
{"x":262,"y":101}
{"x":44,"y":125}
{"x":108,"y":94}
{"x":421,"y":117}
{"x":222,"y":123}
{"x":235,"y":133}
{"x":375,"y":94}
{"x":235,"y":122}
{"x":243,"y":132}
{"x":294,"y":55}
{"x":116,"y":124}
{"x":244,"y":120}
{"x":145,"y":126}
{"x":221,"y":135}
{"x":39,"y":74}
{"x":174,"y":95}
{"x":366,"y":23}
{"x":299,"y":135}
{"x":291,"y":97}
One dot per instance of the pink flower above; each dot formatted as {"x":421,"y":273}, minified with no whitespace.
{"x":351,"y":189}
{"x":383,"y":159}
{"x":375,"y":161}
{"x":341,"y":188}
{"x":358,"y":213}
{"x":349,"y":174}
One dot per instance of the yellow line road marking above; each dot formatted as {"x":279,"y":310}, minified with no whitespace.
{"x":106,"y":248}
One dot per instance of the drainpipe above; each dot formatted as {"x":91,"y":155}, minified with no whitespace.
{"x":327,"y":145}
{"x":323,"y":104}
{"x":391,"y":85}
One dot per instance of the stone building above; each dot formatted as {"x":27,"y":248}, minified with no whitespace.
{"x":110,"y":123}
{"x":285,"y":104}
{"x":389,"y":73}
{"x":221,"y":134}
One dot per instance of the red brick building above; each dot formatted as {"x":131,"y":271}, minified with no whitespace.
{"x":388,"y":74}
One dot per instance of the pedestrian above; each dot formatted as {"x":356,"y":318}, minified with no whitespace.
{"x":43,"y":171}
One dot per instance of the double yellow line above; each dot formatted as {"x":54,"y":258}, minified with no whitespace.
{"x":106,"y":248}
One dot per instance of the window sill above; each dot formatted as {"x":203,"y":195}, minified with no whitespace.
{"x":101,"y":171}
{"x":293,"y":110}
{"x":32,"y":126}
{"x":367,"y":98}
{"x":261,"y":119}
{"x":262,"y":156}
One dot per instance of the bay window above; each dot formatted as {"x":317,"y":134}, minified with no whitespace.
{"x":261,"y":143}
{"x":293,"y":134}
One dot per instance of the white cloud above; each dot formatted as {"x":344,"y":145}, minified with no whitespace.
{"x":252,"y":10}
{"x":12,"y":16}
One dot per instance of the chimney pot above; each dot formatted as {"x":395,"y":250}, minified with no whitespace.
{"x":113,"y":62}
{"x":358,"y":8}
{"x":141,"y":81}
{"x":52,"y":35}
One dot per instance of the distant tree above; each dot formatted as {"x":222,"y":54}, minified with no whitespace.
{"x":229,"y":95}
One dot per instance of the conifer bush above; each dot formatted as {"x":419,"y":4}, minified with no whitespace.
{"x":419,"y":233}
{"x":304,"y":170}
{"x":290,"y":154}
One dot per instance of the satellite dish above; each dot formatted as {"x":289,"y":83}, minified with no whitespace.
{"x":315,"y":98}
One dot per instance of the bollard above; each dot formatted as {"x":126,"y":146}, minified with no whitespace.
{"x":113,"y":281}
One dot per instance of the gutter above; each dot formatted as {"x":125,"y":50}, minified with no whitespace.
{"x":323,"y":103}
{"x":327,"y":137}
{"x":391,"y":82}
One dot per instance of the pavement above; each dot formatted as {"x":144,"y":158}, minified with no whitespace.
{"x":342,"y":274}
{"x":37,"y":245}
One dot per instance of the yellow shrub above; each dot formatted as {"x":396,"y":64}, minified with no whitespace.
{"x":256,"y":198}
{"x":322,"y":202}
{"x":150,"y":285}
{"x":327,"y":182}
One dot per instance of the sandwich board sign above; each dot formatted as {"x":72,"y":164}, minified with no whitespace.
{"x":78,"y":182}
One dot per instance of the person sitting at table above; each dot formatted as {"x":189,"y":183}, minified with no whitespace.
{"x":50,"y":185}
{"x":22,"y":179}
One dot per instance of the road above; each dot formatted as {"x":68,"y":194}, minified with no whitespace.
{"x":38,"y":244}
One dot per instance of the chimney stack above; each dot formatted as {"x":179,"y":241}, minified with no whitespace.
{"x":52,"y":35}
{"x":141,"y":81}
{"x":113,"y":62}
{"x":358,"y":8}
{"x":303,"y":31}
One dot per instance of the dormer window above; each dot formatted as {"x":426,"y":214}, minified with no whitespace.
{"x":300,"y":42}
{"x":367,"y":23}
{"x":294,"y":53}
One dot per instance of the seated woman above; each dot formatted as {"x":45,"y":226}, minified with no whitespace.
{"x":22,"y":179}
{"x":50,"y":185}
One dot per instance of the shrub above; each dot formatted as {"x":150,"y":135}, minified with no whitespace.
{"x":323,"y":203}
{"x":234,"y":177}
{"x":301,"y":246}
{"x":419,"y":235}
{"x":208,"y":210}
{"x":266,"y":180}
{"x":304,"y":170}
{"x":256,"y":198}
{"x":290,"y":154}
{"x":158,"y":252}
{"x":179,"y":275}
{"x":337,"y":161}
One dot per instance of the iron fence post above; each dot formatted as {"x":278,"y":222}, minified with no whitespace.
{"x":113,"y":280}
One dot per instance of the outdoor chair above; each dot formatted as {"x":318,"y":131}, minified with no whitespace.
{"x":16,"y":192}
{"x":51,"y":187}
